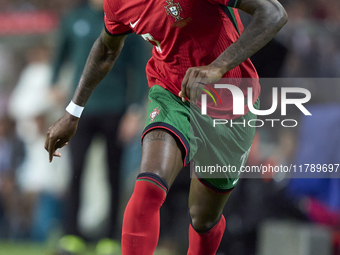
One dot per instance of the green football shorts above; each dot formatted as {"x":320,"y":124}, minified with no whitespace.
{"x":216,"y":153}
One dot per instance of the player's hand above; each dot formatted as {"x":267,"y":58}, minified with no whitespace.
{"x":192,"y":81}
{"x":59,"y":134}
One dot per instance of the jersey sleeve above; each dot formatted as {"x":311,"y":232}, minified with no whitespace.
{"x":112,"y":25}
{"x":230,"y":3}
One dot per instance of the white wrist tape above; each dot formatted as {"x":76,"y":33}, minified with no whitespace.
{"x":74,"y":109}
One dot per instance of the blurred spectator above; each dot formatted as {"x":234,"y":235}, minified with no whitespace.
{"x":319,"y":197}
{"x":124,"y":85}
{"x":41,"y":183}
{"x":13,"y":223}
{"x":312,"y":36}
{"x":31,"y":90}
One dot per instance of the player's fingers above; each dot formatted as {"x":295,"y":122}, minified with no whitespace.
{"x":47,"y":140}
{"x":199,"y":85}
{"x":193,"y":85}
{"x":57,"y":154}
{"x":187,"y":88}
{"x":50,"y":152}
{"x":191,"y":82}
{"x":198,"y":91}
{"x":64,"y":145}
{"x":60,"y":143}
{"x":51,"y":147}
{"x":193,"y":89}
{"x":201,"y":74}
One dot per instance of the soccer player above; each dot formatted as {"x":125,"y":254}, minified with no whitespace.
{"x":192,"y":39}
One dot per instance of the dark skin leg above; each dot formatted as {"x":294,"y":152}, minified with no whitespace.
{"x":163,"y":155}
{"x":205,"y":206}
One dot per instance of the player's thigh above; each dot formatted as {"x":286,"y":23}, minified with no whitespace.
{"x":205,"y":205}
{"x":162,"y":154}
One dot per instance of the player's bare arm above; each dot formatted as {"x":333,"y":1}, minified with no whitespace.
{"x":102,"y":57}
{"x":269,"y":17}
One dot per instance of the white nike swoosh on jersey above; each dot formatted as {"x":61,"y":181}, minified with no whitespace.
{"x":134,"y":24}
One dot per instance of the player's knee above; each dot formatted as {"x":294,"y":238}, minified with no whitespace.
{"x":161,"y":171}
{"x":203,"y":219}
{"x":150,"y":191}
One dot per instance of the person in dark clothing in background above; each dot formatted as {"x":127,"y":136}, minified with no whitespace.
{"x":13,"y":216}
{"x":123,"y":87}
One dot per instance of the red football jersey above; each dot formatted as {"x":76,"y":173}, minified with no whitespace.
{"x":185,"y":33}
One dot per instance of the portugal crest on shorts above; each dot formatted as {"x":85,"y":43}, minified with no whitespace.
{"x":153,"y":114}
{"x":174,"y":9}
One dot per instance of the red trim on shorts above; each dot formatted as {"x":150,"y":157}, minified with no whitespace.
{"x":173,"y":132}
{"x":212,"y":187}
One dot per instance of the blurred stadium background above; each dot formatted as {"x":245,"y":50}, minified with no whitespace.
{"x":272,"y":215}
